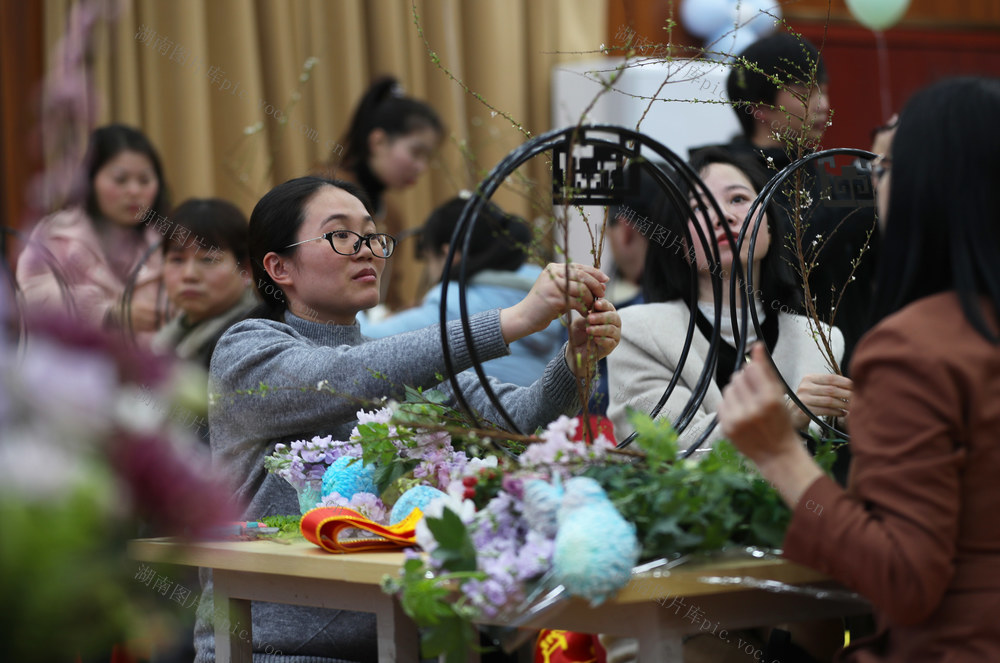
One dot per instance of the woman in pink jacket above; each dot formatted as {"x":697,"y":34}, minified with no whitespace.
{"x":81,"y":259}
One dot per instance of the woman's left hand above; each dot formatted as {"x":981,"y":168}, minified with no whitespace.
{"x":593,"y":337}
{"x":825,"y":394}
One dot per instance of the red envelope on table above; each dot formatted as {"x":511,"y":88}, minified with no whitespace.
{"x":338,"y":529}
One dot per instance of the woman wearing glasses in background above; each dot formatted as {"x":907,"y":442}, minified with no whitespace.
{"x":916,"y":531}
{"x":317,"y":260}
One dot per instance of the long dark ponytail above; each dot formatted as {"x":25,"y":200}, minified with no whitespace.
{"x":384,"y":107}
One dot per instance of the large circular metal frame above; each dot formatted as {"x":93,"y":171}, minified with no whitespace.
{"x":756,"y":213}
{"x":596,"y":135}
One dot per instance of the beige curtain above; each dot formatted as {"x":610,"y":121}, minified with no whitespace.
{"x":223,"y":90}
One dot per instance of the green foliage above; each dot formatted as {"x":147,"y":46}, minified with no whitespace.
{"x":288,"y":526}
{"x":455,"y":549}
{"x":484,"y":487}
{"x":421,"y":412}
{"x":66,"y":575}
{"x":433,"y":600}
{"x":378,"y":448}
{"x":684,"y":506}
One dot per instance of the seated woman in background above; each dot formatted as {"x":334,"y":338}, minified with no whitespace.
{"x":317,"y":259}
{"x":207,"y":276}
{"x":915,"y":532}
{"x":498,"y":276}
{"x":387,"y":147}
{"x":654,"y":333}
{"x":97,"y":248}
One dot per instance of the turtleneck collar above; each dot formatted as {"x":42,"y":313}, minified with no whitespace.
{"x":325,"y":333}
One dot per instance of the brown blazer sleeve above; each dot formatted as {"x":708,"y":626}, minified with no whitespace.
{"x":892,"y":535}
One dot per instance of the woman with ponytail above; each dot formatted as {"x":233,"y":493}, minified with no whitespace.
{"x":496,"y":275}
{"x":387,"y":147}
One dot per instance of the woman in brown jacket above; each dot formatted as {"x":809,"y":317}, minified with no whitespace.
{"x":916,"y":531}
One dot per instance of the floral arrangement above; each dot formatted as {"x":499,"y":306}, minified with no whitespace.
{"x":383,"y":459}
{"x":95,"y":449}
{"x":502,"y":526}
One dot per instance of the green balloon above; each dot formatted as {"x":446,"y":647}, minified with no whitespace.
{"x":878,"y":14}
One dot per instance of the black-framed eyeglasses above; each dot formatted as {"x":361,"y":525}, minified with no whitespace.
{"x":348,"y":242}
{"x":880,"y":166}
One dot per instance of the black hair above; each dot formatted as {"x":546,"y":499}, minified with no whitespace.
{"x":105,"y":144}
{"x":274,"y":224}
{"x":218,"y":223}
{"x":789,"y":58}
{"x":643,"y":202}
{"x":498,"y":239}
{"x":384,"y":107}
{"x":667,"y":272}
{"x":943,"y":227}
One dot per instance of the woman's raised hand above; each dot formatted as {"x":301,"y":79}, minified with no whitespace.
{"x":560,"y":288}
{"x":826,"y":394}
{"x":592,"y":338}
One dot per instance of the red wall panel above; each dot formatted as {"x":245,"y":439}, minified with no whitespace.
{"x":916,"y":57}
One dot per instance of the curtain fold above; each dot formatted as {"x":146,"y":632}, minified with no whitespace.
{"x":223,"y":88}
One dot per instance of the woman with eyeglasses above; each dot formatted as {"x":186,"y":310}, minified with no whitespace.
{"x":317,"y":258}
{"x":916,"y":531}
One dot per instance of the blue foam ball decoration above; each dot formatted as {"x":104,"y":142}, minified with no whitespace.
{"x":417,"y":497}
{"x":541,"y":506}
{"x":349,"y":476}
{"x":595,"y":547}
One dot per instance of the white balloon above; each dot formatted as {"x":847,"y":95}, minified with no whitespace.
{"x":878,"y":14}
{"x":728,"y":43}
{"x":760,"y":16}
{"x":704,"y":18}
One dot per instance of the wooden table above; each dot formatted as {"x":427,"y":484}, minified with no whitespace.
{"x":658,"y":608}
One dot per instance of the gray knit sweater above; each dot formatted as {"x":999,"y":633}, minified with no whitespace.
{"x":244,"y":429}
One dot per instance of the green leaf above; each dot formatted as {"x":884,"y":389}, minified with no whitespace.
{"x":455,"y":547}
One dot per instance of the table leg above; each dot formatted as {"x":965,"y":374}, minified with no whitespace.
{"x":398,"y":640}
{"x":661,"y":648}
{"x":233,"y":626}
{"x":658,"y":642}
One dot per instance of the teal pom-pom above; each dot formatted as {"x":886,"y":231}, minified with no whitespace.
{"x":348,"y":476}
{"x":417,"y":497}
{"x":541,"y":506}
{"x":595,"y":547}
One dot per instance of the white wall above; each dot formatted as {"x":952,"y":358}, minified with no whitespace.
{"x":690,"y":110}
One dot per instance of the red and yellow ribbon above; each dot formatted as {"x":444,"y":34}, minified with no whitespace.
{"x":336,"y":529}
